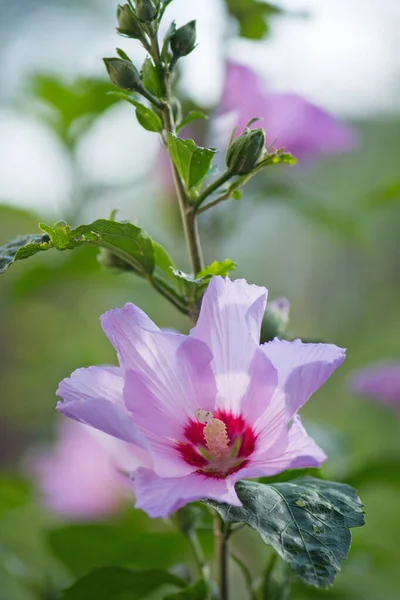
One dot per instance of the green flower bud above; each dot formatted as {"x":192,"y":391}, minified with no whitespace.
{"x":123,"y":73}
{"x":184,"y":40}
{"x":127,"y":22}
{"x":246,"y":151}
{"x":276,"y":319}
{"x":145,"y":10}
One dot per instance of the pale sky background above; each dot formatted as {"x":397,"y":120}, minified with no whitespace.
{"x":344,"y":57}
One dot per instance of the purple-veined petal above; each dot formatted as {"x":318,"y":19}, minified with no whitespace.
{"x":161,"y":496}
{"x":174,"y":369}
{"x":94,"y":396}
{"x":230,"y":322}
{"x":302,"y":368}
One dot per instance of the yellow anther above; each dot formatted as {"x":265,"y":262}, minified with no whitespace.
{"x":215,"y":433}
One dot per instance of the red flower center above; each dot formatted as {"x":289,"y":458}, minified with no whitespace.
{"x":218,"y":444}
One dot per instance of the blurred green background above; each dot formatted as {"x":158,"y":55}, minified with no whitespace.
{"x":69,"y":151}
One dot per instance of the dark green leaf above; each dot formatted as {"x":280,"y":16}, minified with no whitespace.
{"x":194,"y":115}
{"x":22,"y":247}
{"x":306,"y":521}
{"x":108,"y":583}
{"x":198,"y":591}
{"x":192,"y":161}
{"x":125,"y":240}
{"x":292,"y":474}
{"x":151,"y":79}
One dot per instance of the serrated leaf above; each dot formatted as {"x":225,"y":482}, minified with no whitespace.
{"x":109,"y":583}
{"x":22,"y":247}
{"x":125,"y":240}
{"x":192,"y":161}
{"x":217,"y":268}
{"x":194,"y":115}
{"x":150,"y":78}
{"x":198,"y":591}
{"x":306,"y":521}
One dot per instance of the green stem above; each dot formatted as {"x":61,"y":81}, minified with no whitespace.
{"x":188,"y":214}
{"x":212,"y":187}
{"x":221,"y":535}
{"x":169,"y":294}
{"x":199,"y":555}
{"x":246,"y":575}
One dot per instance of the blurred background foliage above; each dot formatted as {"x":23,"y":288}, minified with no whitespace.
{"x":324,"y":235}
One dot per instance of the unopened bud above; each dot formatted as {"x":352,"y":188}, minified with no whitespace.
{"x":276,"y":319}
{"x":123,"y":73}
{"x":145,"y":10}
{"x":127,"y":22}
{"x":184,"y":40}
{"x":246,"y":151}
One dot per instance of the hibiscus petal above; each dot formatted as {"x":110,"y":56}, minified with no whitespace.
{"x":94,"y":396}
{"x":230,"y":323}
{"x":301,"y":451}
{"x":302,"y":368}
{"x":161,"y":496}
{"x":174,"y":369}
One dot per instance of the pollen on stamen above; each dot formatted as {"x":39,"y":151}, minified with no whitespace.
{"x":215,"y":433}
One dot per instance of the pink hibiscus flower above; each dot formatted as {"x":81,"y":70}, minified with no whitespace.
{"x":80,"y":477}
{"x":209,"y":408}
{"x":379,"y":382}
{"x":300,"y":127}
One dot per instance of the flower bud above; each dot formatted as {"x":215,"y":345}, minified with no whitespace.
{"x":145,"y":10}
{"x":246,"y":151}
{"x":184,"y":40}
{"x":123,"y":73}
{"x":127,"y":22}
{"x":276,"y":319}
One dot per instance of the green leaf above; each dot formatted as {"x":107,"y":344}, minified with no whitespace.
{"x":109,"y":583}
{"x":147,"y":118}
{"x":253,"y":16}
{"x":192,"y":161}
{"x":122,"y":54}
{"x":195,"y":286}
{"x":22,"y":247}
{"x":74,"y":106}
{"x":15,"y":492}
{"x":386,"y":196}
{"x":306,"y":521}
{"x":129,"y":540}
{"x":151,"y":79}
{"x":198,"y":591}
{"x":194,"y":115}
{"x":125,"y":240}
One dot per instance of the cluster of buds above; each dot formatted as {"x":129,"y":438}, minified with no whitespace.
{"x":139,"y":19}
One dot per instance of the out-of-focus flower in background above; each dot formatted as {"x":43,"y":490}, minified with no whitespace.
{"x":81,"y":477}
{"x":299,"y":126}
{"x":379,"y":382}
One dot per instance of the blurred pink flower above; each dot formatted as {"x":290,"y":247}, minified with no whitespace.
{"x":379,"y":382}
{"x":299,"y":126}
{"x":79,"y":478}
{"x":209,"y":408}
